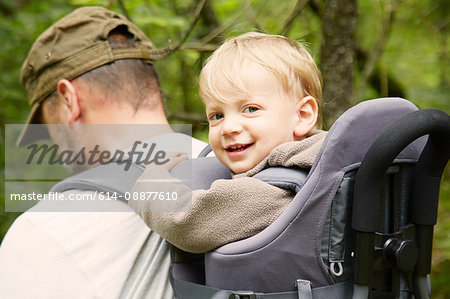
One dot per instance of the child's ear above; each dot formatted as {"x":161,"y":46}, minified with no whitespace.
{"x":307,"y":112}
{"x":67,"y":93}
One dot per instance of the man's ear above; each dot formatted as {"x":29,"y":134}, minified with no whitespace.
{"x":308,"y":112}
{"x":70,"y":103}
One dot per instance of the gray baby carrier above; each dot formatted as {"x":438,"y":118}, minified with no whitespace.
{"x":360,"y":225}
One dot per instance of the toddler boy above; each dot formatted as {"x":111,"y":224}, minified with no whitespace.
{"x":262,"y":95}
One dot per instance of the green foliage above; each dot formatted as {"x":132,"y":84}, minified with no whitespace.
{"x":89,"y":2}
{"x":19,"y":26}
{"x":441,"y":247}
{"x":413,"y":61}
{"x":18,"y":31}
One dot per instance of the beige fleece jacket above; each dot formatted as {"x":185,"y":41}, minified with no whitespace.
{"x":230,"y":210}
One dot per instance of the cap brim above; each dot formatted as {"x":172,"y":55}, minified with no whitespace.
{"x":32,"y":131}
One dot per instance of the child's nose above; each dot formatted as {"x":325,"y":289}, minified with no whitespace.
{"x":231,"y":125}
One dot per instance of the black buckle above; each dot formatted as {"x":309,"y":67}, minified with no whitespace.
{"x":242,"y":295}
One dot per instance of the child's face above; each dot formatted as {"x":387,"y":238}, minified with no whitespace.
{"x":244,"y":130}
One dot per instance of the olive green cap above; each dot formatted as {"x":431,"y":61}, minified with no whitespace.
{"x":73,"y":46}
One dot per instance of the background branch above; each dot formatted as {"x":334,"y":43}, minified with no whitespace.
{"x":124,"y":10}
{"x":300,"y":4}
{"x":197,"y":12}
{"x":200,"y":47}
{"x":375,"y":55}
{"x":251,"y":15}
{"x":188,"y":116}
{"x":220,"y":29}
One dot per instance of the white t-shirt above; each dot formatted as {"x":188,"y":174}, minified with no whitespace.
{"x":87,"y":254}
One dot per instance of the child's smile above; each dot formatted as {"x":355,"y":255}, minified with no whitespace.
{"x":237,"y":147}
{"x":238,"y":150}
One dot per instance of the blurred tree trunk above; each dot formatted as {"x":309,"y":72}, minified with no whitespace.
{"x":337,"y":59}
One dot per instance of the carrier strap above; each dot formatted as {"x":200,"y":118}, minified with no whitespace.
{"x":109,"y":177}
{"x":112,"y":177}
{"x":291,"y":178}
{"x":186,"y":290}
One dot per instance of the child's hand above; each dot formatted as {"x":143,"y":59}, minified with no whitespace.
{"x":174,"y":159}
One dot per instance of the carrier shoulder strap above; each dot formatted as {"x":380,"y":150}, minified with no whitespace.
{"x":113,"y":177}
{"x":291,"y":178}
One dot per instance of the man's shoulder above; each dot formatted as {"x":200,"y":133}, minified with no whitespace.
{"x":98,"y":249}
{"x":62,"y":223}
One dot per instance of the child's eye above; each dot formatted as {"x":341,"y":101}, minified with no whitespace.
{"x":216,"y":116}
{"x":251,"y":109}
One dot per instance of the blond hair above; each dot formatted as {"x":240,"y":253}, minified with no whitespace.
{"x":287,"y":60}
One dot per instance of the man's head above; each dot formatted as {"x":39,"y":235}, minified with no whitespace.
{"x":88,"y":67}
{"x":259,"y":91}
